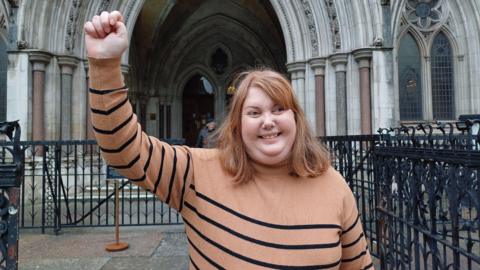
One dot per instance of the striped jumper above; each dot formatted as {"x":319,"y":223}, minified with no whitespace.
{"x":274,"y":221}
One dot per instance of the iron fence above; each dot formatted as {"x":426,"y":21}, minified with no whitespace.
{"x":65,"y":185}
{"x":428,"y":197}
{"x":417,"y":188}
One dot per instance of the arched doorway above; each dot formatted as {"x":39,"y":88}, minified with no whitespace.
{"x":198,"y":106}
{"x":212,"y":38}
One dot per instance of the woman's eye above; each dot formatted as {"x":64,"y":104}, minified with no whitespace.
{"x":253,"y":113}
{"x":278,"y":109}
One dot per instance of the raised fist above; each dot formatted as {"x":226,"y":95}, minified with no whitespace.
{"x":106,"y":35}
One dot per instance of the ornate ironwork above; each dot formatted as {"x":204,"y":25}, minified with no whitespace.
{"x":65,"y":187}
{"x":11,"y":177}
{"x":428,"y":196}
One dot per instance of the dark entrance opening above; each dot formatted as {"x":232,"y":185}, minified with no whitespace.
{"x":198,"y":107}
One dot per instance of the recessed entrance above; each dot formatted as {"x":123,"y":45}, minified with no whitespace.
{"x":198,"y":107}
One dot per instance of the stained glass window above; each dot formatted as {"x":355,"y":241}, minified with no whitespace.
{"x":410,"y":84}
{"x":442,"y":78}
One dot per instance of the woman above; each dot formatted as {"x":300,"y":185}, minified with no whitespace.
{"x":265,"y":199}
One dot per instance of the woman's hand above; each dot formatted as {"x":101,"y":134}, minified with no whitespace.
{"x":106,"y":35}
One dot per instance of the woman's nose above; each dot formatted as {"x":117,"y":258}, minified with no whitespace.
{"x":268,"y":121}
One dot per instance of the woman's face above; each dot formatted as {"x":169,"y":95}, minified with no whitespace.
{"x":268,"y":130}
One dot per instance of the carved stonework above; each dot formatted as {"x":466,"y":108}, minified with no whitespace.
{"x":105,"y":6}
{"x":71,"y":25}
{"x":128,"y":10}
{"x":311,"y":26}
{"x":22,"y":44}
{"x":334,"y":25}
{"x":289,"y":28}
{"x":3,"y":22}
{"x":425,"y":15}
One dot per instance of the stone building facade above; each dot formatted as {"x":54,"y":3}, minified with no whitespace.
{"x":355,"y":65}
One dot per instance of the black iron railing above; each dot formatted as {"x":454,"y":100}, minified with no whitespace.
{"x":428,"y":197}
{"x":65,"y":186}
{"x":417,"y":188}
{"x":11,"y":177}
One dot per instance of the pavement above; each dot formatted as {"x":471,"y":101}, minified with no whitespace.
{"x":150,"y":247}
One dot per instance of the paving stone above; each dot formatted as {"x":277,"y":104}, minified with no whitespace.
{"x":173,"y":244}
{"x":62,"y":264}
{"x":148,"y":263}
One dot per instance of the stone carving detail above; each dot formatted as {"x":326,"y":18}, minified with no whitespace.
{"x":72,"y":25}
{"x":22,"y":44}
{"x":311,"y":26}
{"x":128,"y":10}
{"x":425,"y":15}
{"x":334,"y":25}
{"x":105,"y":5}
{"x":3,"y":22}
{"x":289,"y":28}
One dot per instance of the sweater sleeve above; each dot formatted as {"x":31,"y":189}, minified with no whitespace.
{"x":355,"y":252}
{"x":153,"y":165}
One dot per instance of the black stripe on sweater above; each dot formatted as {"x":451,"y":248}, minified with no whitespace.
{"x":257,"y":262}
{"x":193,"y":263}
{"x":204,"y":256}
{"x":123,"y":146}
{"x":363,"y":253}
{"x":106,"y":91}
{"x":368,"y":266}
{"x":185,"y":174}
{"x":111,"y":110}
{"x":260,"y":242}
{"x":172,"y":176}
{"x":127,"y":166}
{"x":147,"y":164}
{"x":354,"y":242}
{"x":160,"y":171}
{"x":109,"y":132}
{"x":262,"y":223}
{"x":352,"y":226}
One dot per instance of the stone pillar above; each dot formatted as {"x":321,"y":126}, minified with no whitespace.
{"x":142,"y":114}
{"x":125,"y":72}
{"x":39,"y":61}
{"x":89,"y":135}
{"x":339,"y":62}
{"x":363,"y":57}
{"x":67,"y":66}
{"x":297,"y":72}
{"x":318,"y":66}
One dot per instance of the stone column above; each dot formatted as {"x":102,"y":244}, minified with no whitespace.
{"x":363,"y":57}
{"x":67,"y":66}
{"x":89,"y":135}
{"x":339,"y":62}
{"x":39,"y":61}
{"x":142,"y":114}
{"x":297,"y":72}
{"x":318,"y":66}
{"x":125,"y":72}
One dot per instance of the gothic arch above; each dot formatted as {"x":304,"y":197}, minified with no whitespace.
{"x":189,"y":73}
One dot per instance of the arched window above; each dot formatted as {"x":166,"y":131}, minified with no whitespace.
{"x":442,"y":78}
{"x":410,"y":83}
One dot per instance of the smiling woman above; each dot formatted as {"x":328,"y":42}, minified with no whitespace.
{"x":266,"y":198}
{"x":266,"y":125}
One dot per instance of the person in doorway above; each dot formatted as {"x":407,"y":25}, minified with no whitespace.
{"x":266,"y":197}
{"x":205,"y":137}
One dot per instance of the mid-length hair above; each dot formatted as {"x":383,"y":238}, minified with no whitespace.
{"x":308,"y":158}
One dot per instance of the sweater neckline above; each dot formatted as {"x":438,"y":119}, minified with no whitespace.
{"x":280,"y":169}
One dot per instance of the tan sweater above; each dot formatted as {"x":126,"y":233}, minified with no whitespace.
{"x":274,"y":221}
